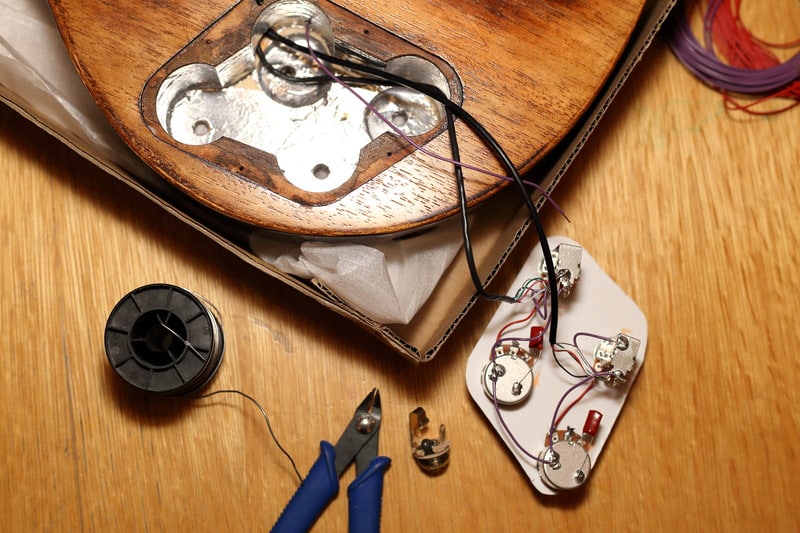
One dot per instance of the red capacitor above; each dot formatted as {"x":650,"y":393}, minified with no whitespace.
{"x":536,"y":339}
{"x":592,"y":423}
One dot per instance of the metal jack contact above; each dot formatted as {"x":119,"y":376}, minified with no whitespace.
{"x":432,"y":455}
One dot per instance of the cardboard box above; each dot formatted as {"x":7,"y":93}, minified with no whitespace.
{"x":500,"y":224}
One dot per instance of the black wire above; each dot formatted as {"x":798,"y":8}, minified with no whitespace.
{"x":315,"y":80}
{"x":462,"y":198}
{"x":309,"y":80}
{"x":490,"y":142}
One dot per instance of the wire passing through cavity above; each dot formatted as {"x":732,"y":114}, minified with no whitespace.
{"x":454,"y":111}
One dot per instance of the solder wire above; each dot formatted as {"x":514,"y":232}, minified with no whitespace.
{"x":471,"y":122}
{"x":190,"y":346}
{"x":263,"y":414}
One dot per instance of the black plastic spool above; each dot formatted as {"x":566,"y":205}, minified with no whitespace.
{"x":161,"y":338}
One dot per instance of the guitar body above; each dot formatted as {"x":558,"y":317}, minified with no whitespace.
{"x":181,"y":85}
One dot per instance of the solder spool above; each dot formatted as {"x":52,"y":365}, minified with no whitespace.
{"x":163,"y":339}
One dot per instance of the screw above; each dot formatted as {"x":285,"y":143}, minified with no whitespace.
{"x":622,"y":342}
{"x":555,"y":463}
{"x":365,"y":424}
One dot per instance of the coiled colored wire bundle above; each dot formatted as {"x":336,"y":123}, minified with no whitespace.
{"x":745,"y":63}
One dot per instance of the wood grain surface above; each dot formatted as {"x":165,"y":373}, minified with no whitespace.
{"x":694,"y":211}
{"x":528,"y":70}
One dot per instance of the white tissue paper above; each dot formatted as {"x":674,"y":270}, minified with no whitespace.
{"x":386,"y":280}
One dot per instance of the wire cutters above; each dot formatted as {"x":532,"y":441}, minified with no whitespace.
{"x":359,"y":443}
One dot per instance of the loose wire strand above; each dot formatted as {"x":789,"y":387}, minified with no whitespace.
{"x":470,"y":121}
{"x":191,"y":347}
{"x":709,"y":68}
{"x":266,"y":419}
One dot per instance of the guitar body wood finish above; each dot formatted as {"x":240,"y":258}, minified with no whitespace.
{"x":526,"y":69}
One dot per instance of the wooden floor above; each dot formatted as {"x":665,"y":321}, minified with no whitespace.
{"x":692,"y":210}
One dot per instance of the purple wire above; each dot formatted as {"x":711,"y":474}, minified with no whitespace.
{"x":587,"y":334}
{"x":508,"y":430}
{"x":492,"y":358}
{"x":708,"y":26}
{"x":704,"y":63}
{"x":512,"y":339}
{"x":592,"y":375}
{"x":552,"y":423}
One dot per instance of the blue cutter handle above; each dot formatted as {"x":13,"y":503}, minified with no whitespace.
{"x":365,"y":495}
{"x":313,"y":496}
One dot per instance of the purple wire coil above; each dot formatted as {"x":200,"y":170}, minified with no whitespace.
{"x":704,"y":63}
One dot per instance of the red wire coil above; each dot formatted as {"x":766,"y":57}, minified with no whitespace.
{"x":740,"y":48}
